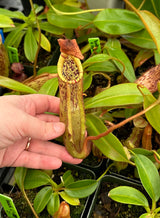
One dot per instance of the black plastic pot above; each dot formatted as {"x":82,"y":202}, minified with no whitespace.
{"x":106,"y":182}
{"x":6,"y":174}
{"x":94,"y":164}
{"x":7,"y":188}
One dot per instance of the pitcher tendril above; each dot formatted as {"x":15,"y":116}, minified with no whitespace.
{"x":72,"y":13}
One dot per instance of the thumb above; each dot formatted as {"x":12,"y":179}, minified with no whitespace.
{"x":39,"y":129}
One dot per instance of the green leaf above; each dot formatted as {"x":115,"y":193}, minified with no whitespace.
{"x":118,"y":21}
{"x":82,"y":188}
{"x":147,"y":215}
{"x":68,"y":199}
{"x":121,"y":95}
{"x":42,"y":198}
{"x":15,"y":85}
{"x":71,"y":21}
{"x":12,"y":14}
{"x":142,"y":56}
{"x":152,"y":24}
{"x":47,"y":69}
{"x":153,"y":115}
{"x":30,"y":45}
{"x":95,"y":59}
{"x":19,"y":37}
{"x":156,"y":57}
{"x":15,"y":35}
{"x":87,"y":80}
{"x":106,"y":66}
{"x":141,"y":39}
{"x":53,"y":204}
{"x":37,"y":8}
{"x":36,"y":178}
{"x":151,"y":6}
{"x":149,"y":176}
{"x":128,"y":195}
{"x":67,"y":178}
{"x":51,"y":28}
{"x":109,"y":145}
{"x":19,"y":175}
{"x":50,"y":87}
{"x":114,"y":49}
{"x":143,"y":151}
{"x":5,"y":21}
{"x":45,"y":43}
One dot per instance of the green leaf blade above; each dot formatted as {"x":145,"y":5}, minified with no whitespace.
{"x":36,"y":178}
{"x":72,"y":21}
{"x":141,"y":39}
{"x":122,"y":63}
{"x":106,"y":66}
{"x":12,"y":14}
{"x":117,"y":96}
{"x":99,"y":58}
{"x":149,"y":176}
{"x":47,"y":69}
{"x":82,"y":188}
{"x":68,"y":199}
{"x":153,"y":115}
{"x":15,"y":85}
{"x":50,"y":87}
{"x":15,"y":35}
{"x":152,"y":24}
{"x":87,"y":80}
{"x":67,"y":178}
{"x":45,"y":43}
{"x":30,"y":45}
{"x":53,"y":204}
{"x":19,"y":175}
{"x":118,"y":21}
{"x":128,"y":195}
{"x":109,"y":145}
{"x":42,"y":198}
{"x":51,"y":28}
{"x":5,"y":21}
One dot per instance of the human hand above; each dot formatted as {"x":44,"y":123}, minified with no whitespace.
{"x":24,"y":116}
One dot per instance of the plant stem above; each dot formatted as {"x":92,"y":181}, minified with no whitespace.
{"x":105,"y":171}
{"x":155,"y":156}
{"x":29,"y":203}
{"x":157,"y":210}
{"x":39,"y":39}
{"x":130,"y":5}
{"x":73,"y":13}
{"x":155,"y":9}
{"x":121,"y":123}
{"x":153,"y":205}
{"x":141,"y":4}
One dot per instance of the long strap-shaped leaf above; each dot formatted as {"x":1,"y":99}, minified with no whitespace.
{"x":149,"y":176}
{"x":15,"y":85}
{"x":151,"y":22}
{"x":109,"y":145}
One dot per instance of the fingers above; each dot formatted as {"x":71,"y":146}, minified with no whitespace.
{"x":41,"y":103}
{"x":44,"y":155}
{"x":39,"y":129}
{"x":37,"y":161}
{"x":48,"y":117}
{"x":52,"y":149}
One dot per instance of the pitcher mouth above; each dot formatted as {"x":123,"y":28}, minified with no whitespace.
{"x":70,"y":71}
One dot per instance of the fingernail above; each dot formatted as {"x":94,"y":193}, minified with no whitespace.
{"x":59,"y":127}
